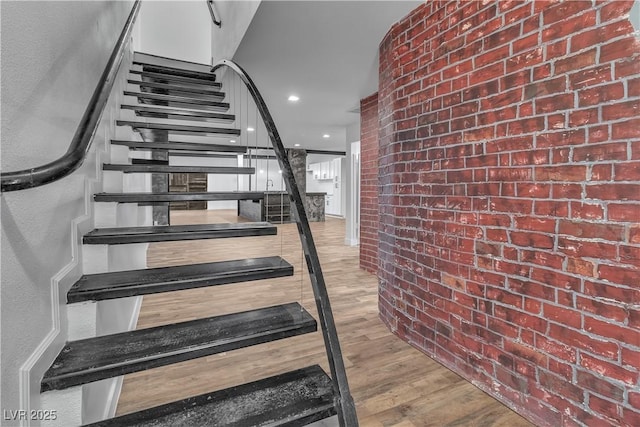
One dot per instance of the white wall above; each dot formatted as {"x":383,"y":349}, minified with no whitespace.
{"x":52,"y":56}
{"x":176,"y":29}
{"x":236,"y":17}
{"x":268,"y":176}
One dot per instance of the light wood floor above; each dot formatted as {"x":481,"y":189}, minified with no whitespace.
{"x":392,"y":383}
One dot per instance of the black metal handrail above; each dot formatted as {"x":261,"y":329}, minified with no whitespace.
{"x":345,"y":406}
{"x":73,"y":158}
{"x":215,"y":16}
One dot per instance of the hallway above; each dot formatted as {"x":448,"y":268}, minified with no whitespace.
{"x":392,"y":383}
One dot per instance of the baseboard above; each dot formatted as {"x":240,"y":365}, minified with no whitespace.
{"x":351,"y":242}
{"x":35,"y":366}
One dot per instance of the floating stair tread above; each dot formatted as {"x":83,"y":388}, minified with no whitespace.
{"x":167,"y":233}
{"x":200,"y":154}
{"x":173,"y":87}
{"x":181,"y":146}
{"x":177,"y":196}
{"x":179,"y":129}
{"x":120,"y":284}
{"x":109,"y":356}
{"x":179,"y":101}
{"x":174,"y":71}
{"x":177,"y":113}
{"x":149,"y":162}
{"x":294,"y":398}
{"x":177,"y":79}
{"x":146,"y":168}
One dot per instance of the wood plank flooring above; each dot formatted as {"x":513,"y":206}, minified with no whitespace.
{"x":393,"y":384}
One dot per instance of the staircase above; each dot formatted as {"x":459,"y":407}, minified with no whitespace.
{"x":180,"y":108}
{"x":174,"y":100}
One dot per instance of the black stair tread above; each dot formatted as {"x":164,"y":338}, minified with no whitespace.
{"x":149,"y":162}
{"x":108,"y":356}
{"x":179,"y":129}
{"x":151,"y":168}
{"x":166,"y":61}
{"x":166,"y":233}
{"x":293,"y":398}
{"x":175,"y":71}
{"x":120,"y":284}
{"x":200,"y":154}
{"x":179,"y":101}
{"x":175,"y":87}
{"x":177,"y":79}
{"x":177,"y":196}
{"x":182,"y":146}
{"x":177,"y":113}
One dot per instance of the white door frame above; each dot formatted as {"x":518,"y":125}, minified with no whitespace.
{"x":353,"y":237}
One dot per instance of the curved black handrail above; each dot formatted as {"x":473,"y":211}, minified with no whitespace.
{"x":77,"y":151}
{"x":214,"y":13}
{"x":345,"y":406}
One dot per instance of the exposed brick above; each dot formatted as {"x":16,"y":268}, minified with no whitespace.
{"x":601,"y":307}
{"x":628,"y":129}
{"x":608,"y":369}
{"x":619,"y":49}
{"x":569,"y":26}
{"x":576,"y":62}
{"x":563,"y":315}
{"x":600,"y":152}
{"x":615,"y":9}
{"x":369,"y":183}
{"x":508,"y":200}
{"x":605,"y":407}
{"x":590,"y":76}
{"x":624,"y":275}
{"x":600,"y":94}
{"x":621,"y":110}
{"x":600,"y":385}
{"x":592,"y":230}
{"x":613,"y":191}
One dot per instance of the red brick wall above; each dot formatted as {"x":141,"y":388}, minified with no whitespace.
{"x":510,"y":201}
{"x":369,"y":183}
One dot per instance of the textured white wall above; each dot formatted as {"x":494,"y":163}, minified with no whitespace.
{"x":176,"y":29}
{"x":52,"y":56}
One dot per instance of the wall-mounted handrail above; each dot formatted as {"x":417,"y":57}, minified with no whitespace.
{"x":73,"y":158}
{"x":344,"y":404}
{"x":215,"y":16}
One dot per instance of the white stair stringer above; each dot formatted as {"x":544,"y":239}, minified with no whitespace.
{"x":95,"y":401}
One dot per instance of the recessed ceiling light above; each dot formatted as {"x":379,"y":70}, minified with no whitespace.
{"x":250,"y":129}
{"x":296,"y":145}
{"x":326,"y":135}
{"x":261,"y":171}
{"x":293,"y":98}
{"x":233,"y":141}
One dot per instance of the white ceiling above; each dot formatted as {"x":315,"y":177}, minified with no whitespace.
{"x":326,"y":52}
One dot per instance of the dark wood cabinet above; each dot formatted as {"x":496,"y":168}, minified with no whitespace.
{"x":191,"y":183}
